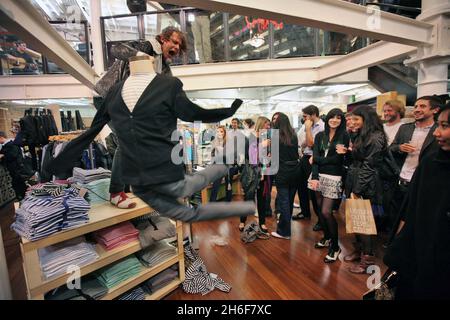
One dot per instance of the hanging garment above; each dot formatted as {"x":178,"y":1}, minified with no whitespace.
{"x":7,"y":193}
{"x":79,"y":121}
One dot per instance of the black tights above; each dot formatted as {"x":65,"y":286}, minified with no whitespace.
{"x":327,"y":220}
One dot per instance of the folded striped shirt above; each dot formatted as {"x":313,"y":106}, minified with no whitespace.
{"x":41,"y":216}
{"x":56,"y":259}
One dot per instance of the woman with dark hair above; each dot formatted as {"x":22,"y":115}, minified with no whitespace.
{"x":327,"y":162}
{"x":287,"y":176}
{"x":363,"y":180}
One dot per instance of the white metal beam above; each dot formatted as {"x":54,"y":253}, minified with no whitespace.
{"x":256,"y":73}
{"x":61,"y":86}
{"x":246,"y":74}
{"x":374,"y":54}
{"x":333,"y":15}
{"x":21,"y":18}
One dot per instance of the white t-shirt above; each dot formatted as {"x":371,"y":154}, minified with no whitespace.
{"x":391,"y":131}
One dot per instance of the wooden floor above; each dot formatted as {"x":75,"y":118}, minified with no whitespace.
{"x":264,"y":269}
{"x":276,"y":268}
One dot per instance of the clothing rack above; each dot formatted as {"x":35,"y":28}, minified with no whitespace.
{"x":69,"y":136}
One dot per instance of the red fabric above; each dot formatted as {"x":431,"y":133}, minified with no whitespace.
{"x":117,"y":235}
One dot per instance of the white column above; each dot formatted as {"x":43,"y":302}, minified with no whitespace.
{"x":432,"y":78}
{"x":5,"y":288}
{"x":96,"y":36}
{"x":431,"y":4}
{"x":432,"y":62}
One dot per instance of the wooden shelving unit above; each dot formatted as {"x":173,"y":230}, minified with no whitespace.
{"x":100,"y":216}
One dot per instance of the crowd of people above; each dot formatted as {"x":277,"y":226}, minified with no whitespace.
{"x":331,"y":158}
{"x":344,"y":156}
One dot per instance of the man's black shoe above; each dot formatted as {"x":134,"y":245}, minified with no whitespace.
{"x":300,"y":216}
{"x":317,"y":227}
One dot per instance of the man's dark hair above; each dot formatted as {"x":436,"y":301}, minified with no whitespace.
{"x":311,"y":110}
{"x":249,"y":122}
{"x":3,"y":134}
{"x":235,"y":119}
{"x":167,"y":33}
{"x":435,"y":101}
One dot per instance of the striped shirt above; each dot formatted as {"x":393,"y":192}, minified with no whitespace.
{"x":133,"y":88}
{"x":39,"y":217}
{"x":56,"y":259}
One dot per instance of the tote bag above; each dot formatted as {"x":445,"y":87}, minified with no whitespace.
{"x":359,"y":217}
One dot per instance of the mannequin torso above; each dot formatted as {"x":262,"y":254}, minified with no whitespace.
{"x":141,"y":74}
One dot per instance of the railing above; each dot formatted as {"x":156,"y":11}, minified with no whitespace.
{"x":30,"y":62}
{"x":220,"y":37}
{"x":212,"y":37}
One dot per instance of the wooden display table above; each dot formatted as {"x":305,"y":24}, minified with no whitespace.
{"x":100,"y":216}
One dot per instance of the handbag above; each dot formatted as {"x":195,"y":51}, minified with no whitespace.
{"x":359,"y":217}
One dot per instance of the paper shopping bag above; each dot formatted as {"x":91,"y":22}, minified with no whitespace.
{"x":359,"y":217}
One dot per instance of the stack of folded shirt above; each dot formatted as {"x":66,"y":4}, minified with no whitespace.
{"x":64,"y":293}
{"x":56,"y":259}
{"x":158,"y":252}
{"x":116,"y":235}
{"x":118,"y":272}
{"x":134,"y":294}
{"x":154,"y":229}
{"x":161,"y":280}
{"x":41,"y":216}
{"x":85,"y":176}
{"x":90,"y":289}
{"x":98,"y":190}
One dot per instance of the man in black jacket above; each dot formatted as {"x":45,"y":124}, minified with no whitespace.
{"x":412,"y":142}
{"x":150,"y":162}
{"x":11,"y":156}
{"x":421,"y":251}
{"x":167,"y":45}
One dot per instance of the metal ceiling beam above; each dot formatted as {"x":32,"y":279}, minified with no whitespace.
{"x":332,"y":15}
{"x":272,"y":72}
{"x":372,"y":55}
{"x":21,"y":18}
{"x":58,"y":86}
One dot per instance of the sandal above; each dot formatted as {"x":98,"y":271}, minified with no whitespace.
{"x":241,"y":226}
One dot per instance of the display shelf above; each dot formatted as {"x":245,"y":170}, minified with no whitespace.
{"x":144,"y":275}
{"x":101,"y":216}
{"x":161,"y":293}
